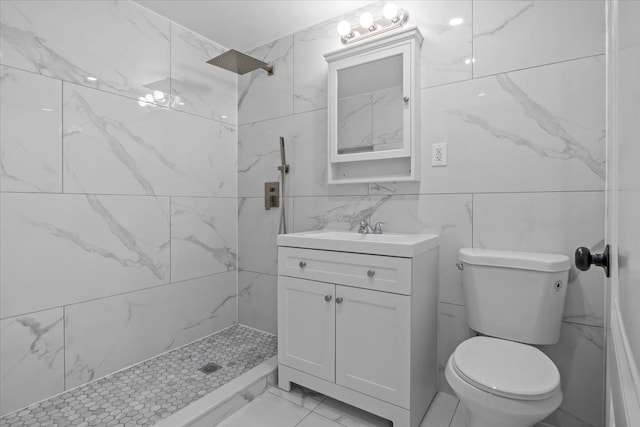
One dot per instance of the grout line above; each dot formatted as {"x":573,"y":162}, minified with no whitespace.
{"x":62,"y":136}
{"x":162,"y":285}
{"x":436,"y":194}
{"x":472,"y":219}
{"x":129,"y":97}
{"x":472,"y":45}
{"x":453,"y":414}
{"x":304,"y":418}
{"x":64,"y":348}
{"x":170,"y":239}
{"x":281,"y":117}
{"x":538,"y":66}
{"x":157,"y":196}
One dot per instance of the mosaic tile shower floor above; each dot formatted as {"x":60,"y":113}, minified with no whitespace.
{"x":155,"y":389}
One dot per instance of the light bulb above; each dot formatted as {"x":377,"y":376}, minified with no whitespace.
{"x":390,"y":11}
{"x":158,"y":95}
{"x":455,"y":21}
{"x":366,"y":20}
{"x":344,"y":28}
{"x":142,"y":102}
{"x":149,"y":98}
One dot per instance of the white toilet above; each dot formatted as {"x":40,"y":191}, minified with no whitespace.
{"x":512,"y":299}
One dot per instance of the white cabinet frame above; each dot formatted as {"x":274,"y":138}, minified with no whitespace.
{"x":407,"y":43}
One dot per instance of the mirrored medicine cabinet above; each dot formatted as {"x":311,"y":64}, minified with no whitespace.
{"x":374,"y":109}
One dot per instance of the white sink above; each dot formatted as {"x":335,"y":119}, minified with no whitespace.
{"x":391,"y":244}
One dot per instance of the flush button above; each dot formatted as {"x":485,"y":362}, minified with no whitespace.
{"x":558,"y":285}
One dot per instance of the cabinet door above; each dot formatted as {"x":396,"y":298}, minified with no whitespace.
{"x":372,"y":343}
{"x":306,"y":326}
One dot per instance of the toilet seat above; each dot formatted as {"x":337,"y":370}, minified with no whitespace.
{"x":506,"y":368}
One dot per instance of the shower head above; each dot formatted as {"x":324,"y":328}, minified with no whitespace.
{"x":239,"y":63}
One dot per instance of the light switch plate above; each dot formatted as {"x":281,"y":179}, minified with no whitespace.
{"x":439,"y":154}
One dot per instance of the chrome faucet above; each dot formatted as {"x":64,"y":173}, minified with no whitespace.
{"x":377,"y":229}
{"x":365,"y":228}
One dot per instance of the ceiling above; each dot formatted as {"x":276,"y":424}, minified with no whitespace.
{"x":245,"y":24}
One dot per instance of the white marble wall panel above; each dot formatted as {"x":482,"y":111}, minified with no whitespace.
{"x":203,"y":236}
{"x":82,"y":42}
{"x":540,"y":129}
{"x":452,"y":330}
{"x":335,"y":212}
{"x":549,"y":222}
{"x":30,"y":132}
{"x":198,"y":87}
{"x":60,"y":249}
{"x":31,"y":358}
{"x":257,"y":235}
{"x":447,"y":48}
{"x":449,"y":216}
{"x":355,"y":122}
{"x":114,"y":145}
{"x":306,"y":150}
{"x":579,"y":356}
{"x":258,"y":301}
{"x":510,"y":35}
{"x":261,"y":96}
{"x":111,"y":333}
{"x":444,"y":50}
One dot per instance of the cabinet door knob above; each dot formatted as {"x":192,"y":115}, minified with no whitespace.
{"x":339,"y":300}
{"x":406,"y":99}
{"x":327,"y":298}
{"x":371,"y":273}
{"x":302,"y":264}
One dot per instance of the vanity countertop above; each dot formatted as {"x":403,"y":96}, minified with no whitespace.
{"x":389,"y":244}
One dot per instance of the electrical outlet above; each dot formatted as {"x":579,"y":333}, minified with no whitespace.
{"x":439,"y":154}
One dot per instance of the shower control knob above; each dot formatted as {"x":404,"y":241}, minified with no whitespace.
{"x":327,"y":298}
{"x":302,"y":264}
{"x":584,"y":258}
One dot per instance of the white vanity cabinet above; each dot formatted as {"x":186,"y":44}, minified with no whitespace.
{"x":360,"y":327}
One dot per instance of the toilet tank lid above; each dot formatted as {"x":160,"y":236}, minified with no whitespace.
{"x":515,"y":259}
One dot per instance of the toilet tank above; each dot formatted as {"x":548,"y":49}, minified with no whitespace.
{"x":517,"y":296}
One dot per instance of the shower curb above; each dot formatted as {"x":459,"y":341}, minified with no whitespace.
{"x":215,"y":407}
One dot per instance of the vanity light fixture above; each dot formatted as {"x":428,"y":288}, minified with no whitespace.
{"x":369,"y":26}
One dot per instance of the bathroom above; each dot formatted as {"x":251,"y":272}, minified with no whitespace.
{"x":134,"y":238}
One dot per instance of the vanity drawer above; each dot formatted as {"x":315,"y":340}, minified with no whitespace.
{"x":382,"y":273}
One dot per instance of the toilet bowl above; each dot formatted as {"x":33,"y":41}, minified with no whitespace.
{"x":503,"y":383}
{"x":514,"y":300}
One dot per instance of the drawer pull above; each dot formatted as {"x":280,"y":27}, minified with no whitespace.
{"x":302,"y":264}
{"x":339,"y":300}
{"x":371,"y":273}
{"x":327,"y":298}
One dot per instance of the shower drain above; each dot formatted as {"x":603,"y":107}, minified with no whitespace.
{"x":210,"y":368}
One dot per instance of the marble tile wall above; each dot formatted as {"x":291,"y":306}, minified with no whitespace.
{"x":518,"y":93}
{"x":118,"y":214}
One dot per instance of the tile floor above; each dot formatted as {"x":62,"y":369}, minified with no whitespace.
{"x":149,"y":391}
{"x":305,"y":408}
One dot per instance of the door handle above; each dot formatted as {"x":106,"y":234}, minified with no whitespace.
{"x":584,"y":258}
